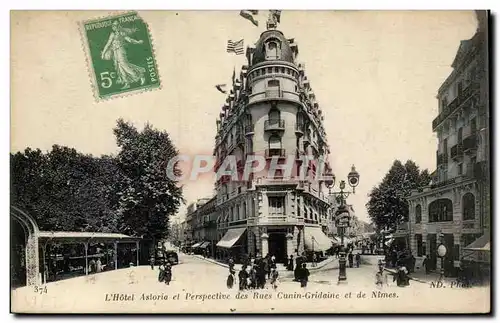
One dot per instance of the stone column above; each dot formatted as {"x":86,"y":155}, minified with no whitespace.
{"x":289,"y":244}
{"x":265,"y":244}
{"x":32,"y":261}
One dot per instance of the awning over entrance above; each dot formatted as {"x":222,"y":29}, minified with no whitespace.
{"x":230,"y":238}
{"x":204,"y":245}
{"x":316,"y":240}
{"x":196,"y":245}
{"x":480,"y":244}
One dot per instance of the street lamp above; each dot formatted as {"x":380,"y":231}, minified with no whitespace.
{"x":342,"y":215}
{"x":441,"y":251}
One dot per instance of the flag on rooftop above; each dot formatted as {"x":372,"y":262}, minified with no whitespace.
{"x":235,"y":47}
{"x":277,"y":15}
{"x":250,"y":15}
{"x":221,"y":88}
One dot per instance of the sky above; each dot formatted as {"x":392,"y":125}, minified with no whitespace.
{"x":375,"y":75}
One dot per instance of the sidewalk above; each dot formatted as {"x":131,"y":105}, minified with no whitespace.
{"x":281,"y":268}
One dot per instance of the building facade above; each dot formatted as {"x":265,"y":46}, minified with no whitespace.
{"x":454,"y":209}
{"x":271,"y":111}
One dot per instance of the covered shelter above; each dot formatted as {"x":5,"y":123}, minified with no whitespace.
{"x":36,"y":241}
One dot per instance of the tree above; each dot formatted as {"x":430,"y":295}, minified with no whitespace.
{"x":65,"y":190}
{"x":388,"y":205}
{"x":147,"y":197}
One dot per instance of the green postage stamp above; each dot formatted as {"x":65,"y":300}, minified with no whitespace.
{"x":120,"y":55}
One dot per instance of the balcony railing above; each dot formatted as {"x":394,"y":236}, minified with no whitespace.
{"x":272,"y":94}
{"x":470,"y":143}
{"x":456,"y":152}
{"x":442,"y":159}
{"x":299,"y":128}
{"x":275,"y":152}
{"x":455,"y":104}
{"x":249,"y":129}
{"x":274,"y":125}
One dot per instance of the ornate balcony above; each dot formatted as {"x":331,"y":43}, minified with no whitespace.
{"x":470,"y":144}
{"x":270,"y":153}
{"x":299,"y":128}
{"x":442,"y":159}
{"x":249,"y":130}
{"x":457,"y":152}
{"x":457,"y":103}
{"x":274,"y":125}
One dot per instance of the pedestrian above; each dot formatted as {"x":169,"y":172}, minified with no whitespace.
{"x":230,"y":279}
{"x":401,"y":277}
{"x":161,"y":273}
{"x":252,"y":278}
{"x":273,"y":262}
{"x":168,"y":273}
{"x":304,"y":275}
{"x":152,"y":262}
{"x":243,"y":277}
{"x":290,"y":264}
{"x":274,"y":278}
{"x":412,"y":263}
{"x":267,"y":270}
{"x":92,"y":266}
{"x":231,"y":263}
{"x":314,"y":259}
{"x":425,"y":264}
{"x":98,"y":265}
{"x":350,"y":257}
{"x":358,"y":260}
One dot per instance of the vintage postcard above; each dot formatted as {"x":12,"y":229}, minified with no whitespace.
{"x":250,"y":161}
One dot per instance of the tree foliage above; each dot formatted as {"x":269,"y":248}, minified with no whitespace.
{"x":147,"y":196}
{"x":388,"y":205}
{"x":64,"y":189}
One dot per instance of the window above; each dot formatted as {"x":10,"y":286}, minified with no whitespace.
{"x":468,"y":206}
{"x":276,"y":70}
{"x":473,"y":126}
{"x":418,"y":213}
{"x":273,"y":83}
{"x":283,"y":70}
{"x":274,"y":142}
{"x":460,"y":135}
{"x":460,"y":169}
{"x":444,"y":103}
{"x":274,"y":116}
{"x":273,"y":49}
{"x":244,"y":210}
{"x":441,"y":210}
{"x":420,"y":245}
{"x":276,"y":205}
{"x":269,"y":70}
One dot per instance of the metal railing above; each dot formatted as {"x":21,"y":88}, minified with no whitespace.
{"x":277,"y":124}
{"x":275,"y":152}
{"x":275,"y":93}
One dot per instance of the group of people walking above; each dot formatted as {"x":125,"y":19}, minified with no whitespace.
{"x":254,"y":273}
{"x":300,"y":271}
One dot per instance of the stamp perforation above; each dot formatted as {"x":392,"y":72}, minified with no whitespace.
{"x":90,"y":69}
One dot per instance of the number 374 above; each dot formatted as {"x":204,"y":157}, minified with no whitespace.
{"x":107,"y":79}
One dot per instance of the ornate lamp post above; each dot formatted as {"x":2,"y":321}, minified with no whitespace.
{"x":441,"y":251}
{"x":342,"y":216}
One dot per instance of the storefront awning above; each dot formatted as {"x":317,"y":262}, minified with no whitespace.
{"x":316,"y":240}
{"x":480,"y":244}
{"x":230,"y":238}
{"x":196,"y":245}
{"x":204,"y":245}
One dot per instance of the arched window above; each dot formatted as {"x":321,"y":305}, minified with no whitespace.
{"x":441,"y":210}
{"x":469,"y":206}
{"x":418,"y":214}
{"x":273,"y":49}
{"x":244,"y":210}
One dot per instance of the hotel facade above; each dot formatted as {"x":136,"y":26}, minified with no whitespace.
{"x":271,"y":111}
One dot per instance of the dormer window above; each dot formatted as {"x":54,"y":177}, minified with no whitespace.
{"x":273,"y":49}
